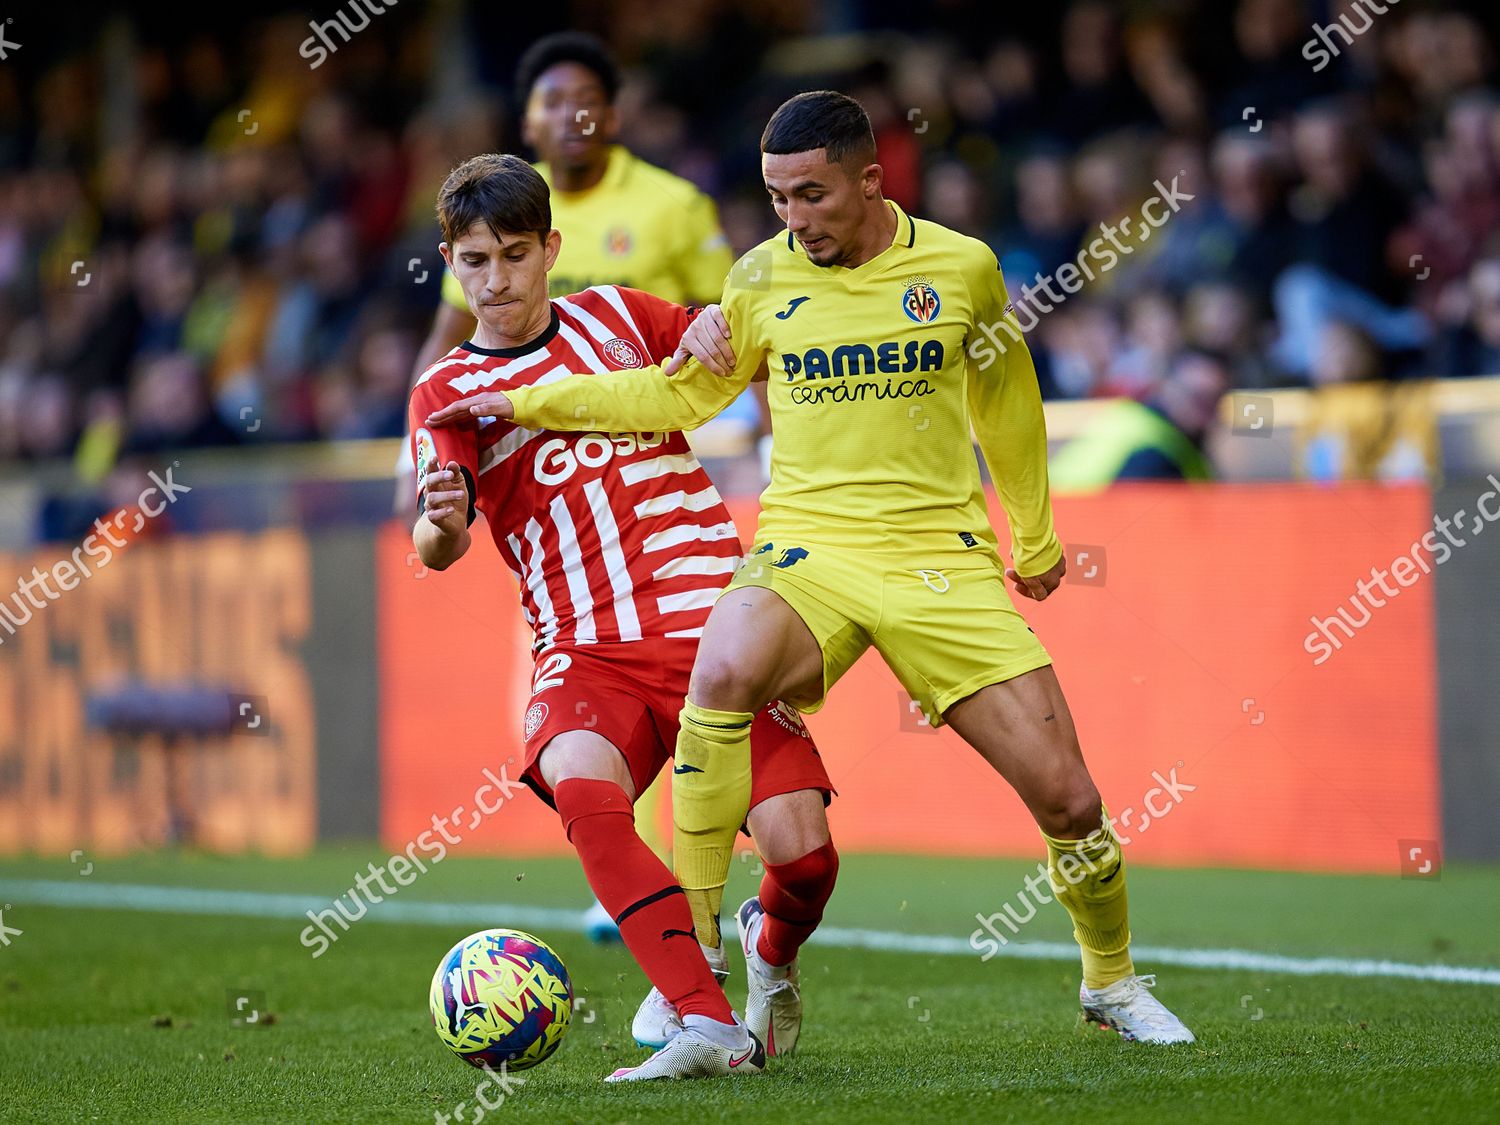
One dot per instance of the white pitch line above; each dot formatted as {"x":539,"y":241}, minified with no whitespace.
{"x":258,"y":904}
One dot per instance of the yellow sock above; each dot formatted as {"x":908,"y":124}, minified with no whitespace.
{"x":710,"y":799}
{"x":646,"y":826}
{"x":1088,"y":877}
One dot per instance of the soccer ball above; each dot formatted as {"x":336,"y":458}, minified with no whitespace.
{"x":501,"y":996}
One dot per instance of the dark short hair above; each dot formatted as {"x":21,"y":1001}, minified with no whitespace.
{"x":497,"y":189}
{"x":567,"y":46}
{"x":823,"y":119}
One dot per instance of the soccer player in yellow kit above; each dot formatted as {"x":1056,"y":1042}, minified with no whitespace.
{"x":878,"y":330}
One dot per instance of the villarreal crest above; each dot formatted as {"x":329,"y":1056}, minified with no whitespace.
{"x":921,"y":302}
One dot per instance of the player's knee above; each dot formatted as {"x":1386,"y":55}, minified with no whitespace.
{"x":1073,"y":813}
{"x":812,"y":876}
{"x":726,"y":685}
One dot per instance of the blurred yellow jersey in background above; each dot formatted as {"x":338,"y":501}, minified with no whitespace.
{"x":639,"y":226}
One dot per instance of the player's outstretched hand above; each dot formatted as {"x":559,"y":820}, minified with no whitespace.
{"x":707,"y":341}
{"x":445,"y":499}
{"x":488,"y":404}
{"x":1038,"y":587}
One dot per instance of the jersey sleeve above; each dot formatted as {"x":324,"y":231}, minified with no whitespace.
{"x":453,"y":292}
{"x":645,"y":398}
{"x":641,"y":399}
{"x":703,"y":255}
{"x":1005,"y":408}
{"x":433,"y":448}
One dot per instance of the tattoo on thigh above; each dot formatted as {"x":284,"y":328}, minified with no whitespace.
{"x":1050,"y":717}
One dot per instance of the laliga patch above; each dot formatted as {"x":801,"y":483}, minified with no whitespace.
{"x":426,"y":454}
{"x":622,"y":353}
{"x":536,"y":715}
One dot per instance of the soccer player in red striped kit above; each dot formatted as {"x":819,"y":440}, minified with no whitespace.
{"x":620,"y":545}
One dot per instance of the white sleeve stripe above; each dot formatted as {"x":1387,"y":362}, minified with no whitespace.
{"x":617,"y":302}
{"x":678,"y":501}
{"x":637,"y":471}
{"x":692,"y":599}
{"x":502,"y":450}
{"x":697,"y":566}
{"x":689,"y":533}
{"x":698,"y":632}
{"x":468,"y":359}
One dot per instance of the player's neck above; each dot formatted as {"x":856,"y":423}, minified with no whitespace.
{"x":580,"y":177}
{"x":876,"y":237}
{"x":494,"y":340}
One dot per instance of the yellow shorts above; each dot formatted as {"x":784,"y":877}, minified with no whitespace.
{"x":946,"y":632}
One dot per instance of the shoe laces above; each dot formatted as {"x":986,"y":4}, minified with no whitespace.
{"x":1145,"y":1007}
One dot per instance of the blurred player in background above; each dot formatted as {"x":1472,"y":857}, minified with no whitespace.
{"x":620,"y":544}
{"x":874,"y":530}
{"x":623,"y":221}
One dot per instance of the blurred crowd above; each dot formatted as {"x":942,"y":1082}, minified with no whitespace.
{"x":205,"y":240}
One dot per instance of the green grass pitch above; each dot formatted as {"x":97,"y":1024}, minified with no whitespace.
{"x":122,"y":1015}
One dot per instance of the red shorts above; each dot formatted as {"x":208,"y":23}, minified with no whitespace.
{"x":631,"y":694}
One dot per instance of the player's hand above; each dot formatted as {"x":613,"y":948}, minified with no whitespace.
{"x":707,"y":341}
{"x":489,"y":404}
{"x":1039,"y":586}
{"x":446,"y":499}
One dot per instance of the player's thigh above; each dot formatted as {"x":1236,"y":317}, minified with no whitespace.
{"x":755,"y":647}
{"x":1024,"y":729}
{"x":584,"y":754}
{"x":789,"y":825}
{"x":787,"y":627}
{"x":949,"y":633}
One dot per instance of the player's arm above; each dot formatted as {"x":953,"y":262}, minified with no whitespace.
{"x":441,"y":533}
{"x":660,"y":397}
{"x":1005,"y":407}
{"x":445,"y":462}
{"x":642,"y":399}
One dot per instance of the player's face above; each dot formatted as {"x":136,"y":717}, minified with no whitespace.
{"x":504,"y":279}
{"x":569,"y":120}
{"x":824,"y":205}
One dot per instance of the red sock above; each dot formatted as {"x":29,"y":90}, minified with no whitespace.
{"x":793,"y":896}
{"x":640,"y":895}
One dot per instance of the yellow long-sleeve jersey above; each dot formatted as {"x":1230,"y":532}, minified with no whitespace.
{"x":876,"y":373}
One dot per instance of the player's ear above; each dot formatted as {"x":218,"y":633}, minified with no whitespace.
{"x":447,"y":252}
{"x":551,"y":245}
{"x":871,"y":180}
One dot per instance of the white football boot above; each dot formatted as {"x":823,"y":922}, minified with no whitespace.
{"x":773,"y":1008}
{"x":703,"y":1048}
{"x":1128,"y":1007}
{"x":656,"y":1021}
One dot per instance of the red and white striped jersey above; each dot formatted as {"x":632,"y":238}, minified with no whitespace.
{"x":611,"y":536}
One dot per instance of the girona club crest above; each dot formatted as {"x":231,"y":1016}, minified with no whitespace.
{"x":536,"y":715}
{"x":622,"y":353}
{"x":920,"y":302}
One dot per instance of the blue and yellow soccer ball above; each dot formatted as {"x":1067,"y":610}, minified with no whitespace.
{"x":501,"y":997}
